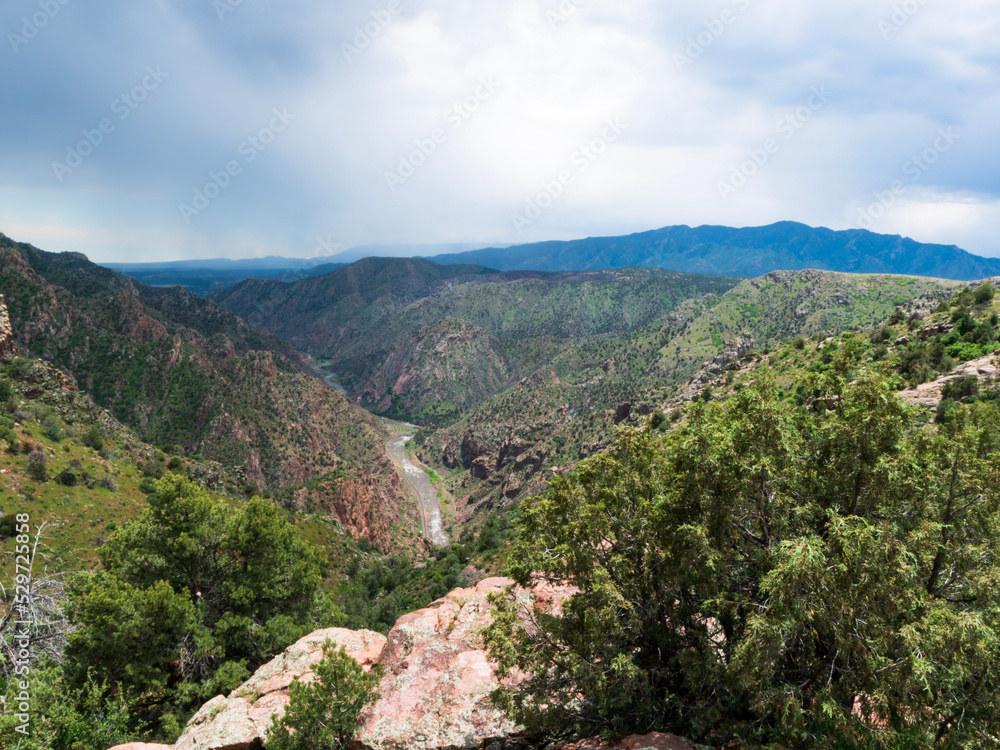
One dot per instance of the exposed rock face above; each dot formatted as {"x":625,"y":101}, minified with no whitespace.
{"x":736,"y":350}
{"x":435,"y":692}
{"x":436,"y":689}
{"x":7,"y":348}
{"x":930,"y":394}
{"x":240,"y":721}
{"x":471,"y":450}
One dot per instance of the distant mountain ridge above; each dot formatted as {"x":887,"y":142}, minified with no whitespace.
{"x":202,"y":277}
{"x":749,"y":252}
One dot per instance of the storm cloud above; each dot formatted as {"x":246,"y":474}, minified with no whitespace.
{"x":168,"y":129}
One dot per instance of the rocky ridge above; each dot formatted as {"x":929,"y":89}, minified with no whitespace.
{"x":435,"y":691}
{"x":985,"y":370}
{"x":8,"y":348}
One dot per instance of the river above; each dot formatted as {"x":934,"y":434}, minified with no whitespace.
{"x":431,"y":520}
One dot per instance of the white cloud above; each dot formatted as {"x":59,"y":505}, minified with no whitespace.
{"x":560,"y":77}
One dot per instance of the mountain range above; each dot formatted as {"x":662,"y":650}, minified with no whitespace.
{"x":747,"y":252}
{"x":785,"y":246}
{"x":425,"y":342}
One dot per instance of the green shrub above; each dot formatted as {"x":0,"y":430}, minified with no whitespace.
{"x":38,"y":466}
{"x":961,"y":389}
{"x":193,"y":587}
{"x":985,"y":293}
{"x":91,"y":717}
{"x":68,"y":478}
{"x":8,"y":525}
{"x":51,"y":428}
{"x":659,"y":420}
{"x":323,"y":714}
{"x":769,"y":576}
{"x":93,"y":438}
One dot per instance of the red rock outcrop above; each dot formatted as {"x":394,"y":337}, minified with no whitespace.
{"x":240,"y":721}
{"x":438,"y":680}
{"x":435,"y":692}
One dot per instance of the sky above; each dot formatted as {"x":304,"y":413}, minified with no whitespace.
{"x":153,"y":130}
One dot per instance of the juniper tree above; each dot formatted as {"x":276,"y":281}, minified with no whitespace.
{"x":822,"y":577}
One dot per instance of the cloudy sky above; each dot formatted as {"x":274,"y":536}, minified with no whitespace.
{"x":168,"y":129}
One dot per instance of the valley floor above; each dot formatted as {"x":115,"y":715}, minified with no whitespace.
{"x":431,"y":520}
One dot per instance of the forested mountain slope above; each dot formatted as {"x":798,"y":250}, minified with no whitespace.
{"x":183,"y":371}
{"x":424,"y":342}
{"x":566,"y":410}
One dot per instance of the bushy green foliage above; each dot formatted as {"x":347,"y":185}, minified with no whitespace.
{"x":6,"y":391}
{"x":323,"y":714}
{"x":93,"y":438}
{"x":796,"y":578}
{"x":63,"y":717}
{"x":961,"y":389}
{"x":973,"y":335}
{"x":51,"y":428}
{"x":191,"y":598}
{"x":381,"y":590}
{"x":38,"y":466}
{"x":985,"y":293}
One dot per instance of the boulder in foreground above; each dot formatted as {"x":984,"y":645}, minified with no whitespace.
{"x":435,"y":692}
{"x":241,"y":721}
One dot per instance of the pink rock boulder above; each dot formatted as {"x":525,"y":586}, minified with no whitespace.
{"x":438,"y":679}
{"x":241,"y":721}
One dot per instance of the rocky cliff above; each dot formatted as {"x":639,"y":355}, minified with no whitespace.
{"x":7,"y":347}
{"x":435,"y":691}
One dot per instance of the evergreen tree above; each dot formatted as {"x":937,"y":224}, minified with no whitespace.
{"x":323,"y":714}
{"x":822,"y":578}
{"x":192,"y":597}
